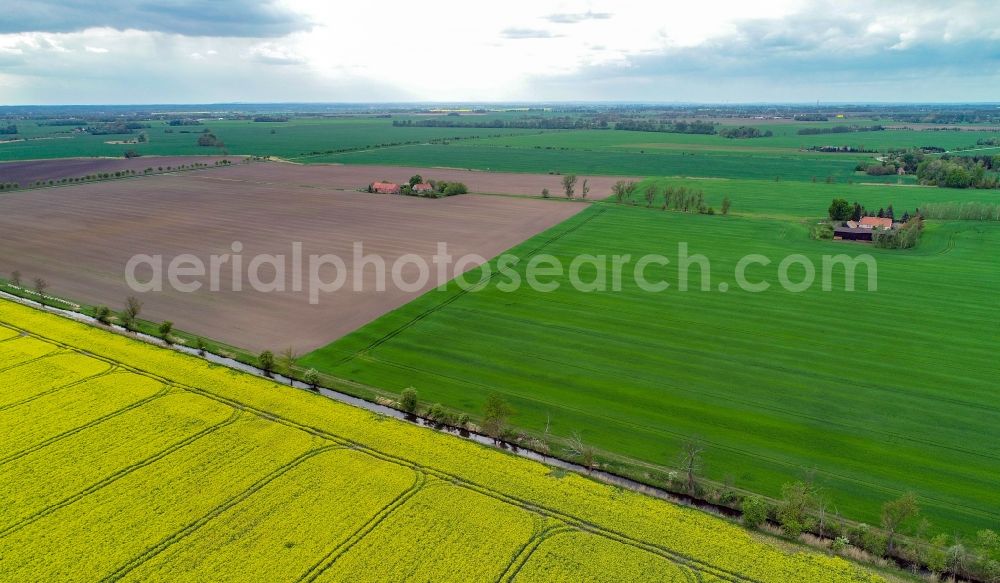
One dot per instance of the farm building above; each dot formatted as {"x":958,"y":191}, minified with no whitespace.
{"x":875,"y":222}
{"x":385,"y":187}
{"x":422,"y":187}
{"x":852,"y":233}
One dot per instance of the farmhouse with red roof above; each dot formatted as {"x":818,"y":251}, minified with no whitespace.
{"x":385,"y":187}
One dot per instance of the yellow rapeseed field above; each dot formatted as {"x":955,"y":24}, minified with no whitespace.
{"x":124,"y":461}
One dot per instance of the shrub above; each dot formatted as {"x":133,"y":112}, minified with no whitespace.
{"x":102,"y":314}
{"x":408,"y":400}
{"x":754,"y":511}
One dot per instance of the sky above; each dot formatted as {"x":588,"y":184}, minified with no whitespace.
{"x":711,"y":51}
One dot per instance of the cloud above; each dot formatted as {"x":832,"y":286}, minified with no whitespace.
{"x":575,"y":17}
{"x":220,"y":18}
{"x":274,"y":54}
{"x":96,"y":50}
{"x":522,"y":33}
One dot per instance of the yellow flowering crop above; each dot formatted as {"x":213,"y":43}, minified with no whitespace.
{"x":169,"y":468}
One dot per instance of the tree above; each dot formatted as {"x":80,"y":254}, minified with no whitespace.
{"x":580,"y":450}
{"x":840,"y":210}
{"x":726,"y":203}
{"x":881,"y":213}
{"x":857,"y":213}
{"x":889,"y":214}
{"x":798,"y":499}
{"x":40,"y":286}
{"x":690,"y":462}
{"x":131,"y":312}
{"x":569,"y":184}
{"x":102,"y":314}
{"x":496,"y":413}
{"x":585,"y":189}
{"x":199,"y":345}
{"x":650,"y":194}
{"x":415,"y":180}
{"x":266,"y":362}
{"x":545,"y":193}
{"x":754,"y":511}
{"x":311,"y":377}
{"x":15,"y":278}
{"x":166,"y":327}
{"x":619,"y":190}
{"x":408,"y":400}
{"x":895,"y":513}
{"x":287,"y":360}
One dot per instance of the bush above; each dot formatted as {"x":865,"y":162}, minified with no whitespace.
{"x":754,"y":511}
{"x":408,"y":400}
{"x":437,"y":413}
{"x":822,"y":232}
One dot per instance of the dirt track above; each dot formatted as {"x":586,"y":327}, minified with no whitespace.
{"x":79,"y":238}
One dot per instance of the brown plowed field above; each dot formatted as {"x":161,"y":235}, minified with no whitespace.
{"x":79,"y":238}
{"x":27,"y":172}
{"x":349,"y":177}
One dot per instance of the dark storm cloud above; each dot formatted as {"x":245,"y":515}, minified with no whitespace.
{"x":221,"y":18}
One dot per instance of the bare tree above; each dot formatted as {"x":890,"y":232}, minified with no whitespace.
{"x":623,"y":189}
{"x":546,"y":445}
{"x":15,"y":278}
{"x":131,"y":312}
{"x":569,"y":184}
{"x":690,"y":462}
{"x":584,"y":189}
{"x":40,"y":286}
{"x":650,"y":195}
{"x":582,"y":451}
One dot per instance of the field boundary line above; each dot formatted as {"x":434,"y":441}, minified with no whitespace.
{"x":455,"y":479}
{"x":55,"y":352}
{"x":120,"y":473}
{"x":462,"y":292}
{"x":318,"y":568}
{"x":110,"y":371}
{"x":196,"y":524}
{"x":523,"y":555}
{"x":94,"y":422}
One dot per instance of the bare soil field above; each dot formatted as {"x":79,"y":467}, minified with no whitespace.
{"x":27,"y":172}
{"x":80,"y":237}
{"x":353,"y":177}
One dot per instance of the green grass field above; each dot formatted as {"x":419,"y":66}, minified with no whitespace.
{"x":289,"y":140}
{"x":878,"y":392}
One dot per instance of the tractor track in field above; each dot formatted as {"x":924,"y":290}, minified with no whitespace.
{"x":749,"y":454}
{"x":324,"y":563}
{"x":109,"y":371}
{"x":462,"y":292}
{"x":388,"y":457}
{"x":191,"y":527}
{"x":455,"y":479}
{"x":69,"y":432}
{"x":118,"y":474}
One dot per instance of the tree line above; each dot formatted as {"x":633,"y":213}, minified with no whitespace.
{"x":533,"y":123}
{"x":841,"y":129}
{"x":676,"y":127}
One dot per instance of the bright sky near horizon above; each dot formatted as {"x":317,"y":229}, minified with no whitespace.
{"x":180,"y":51}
